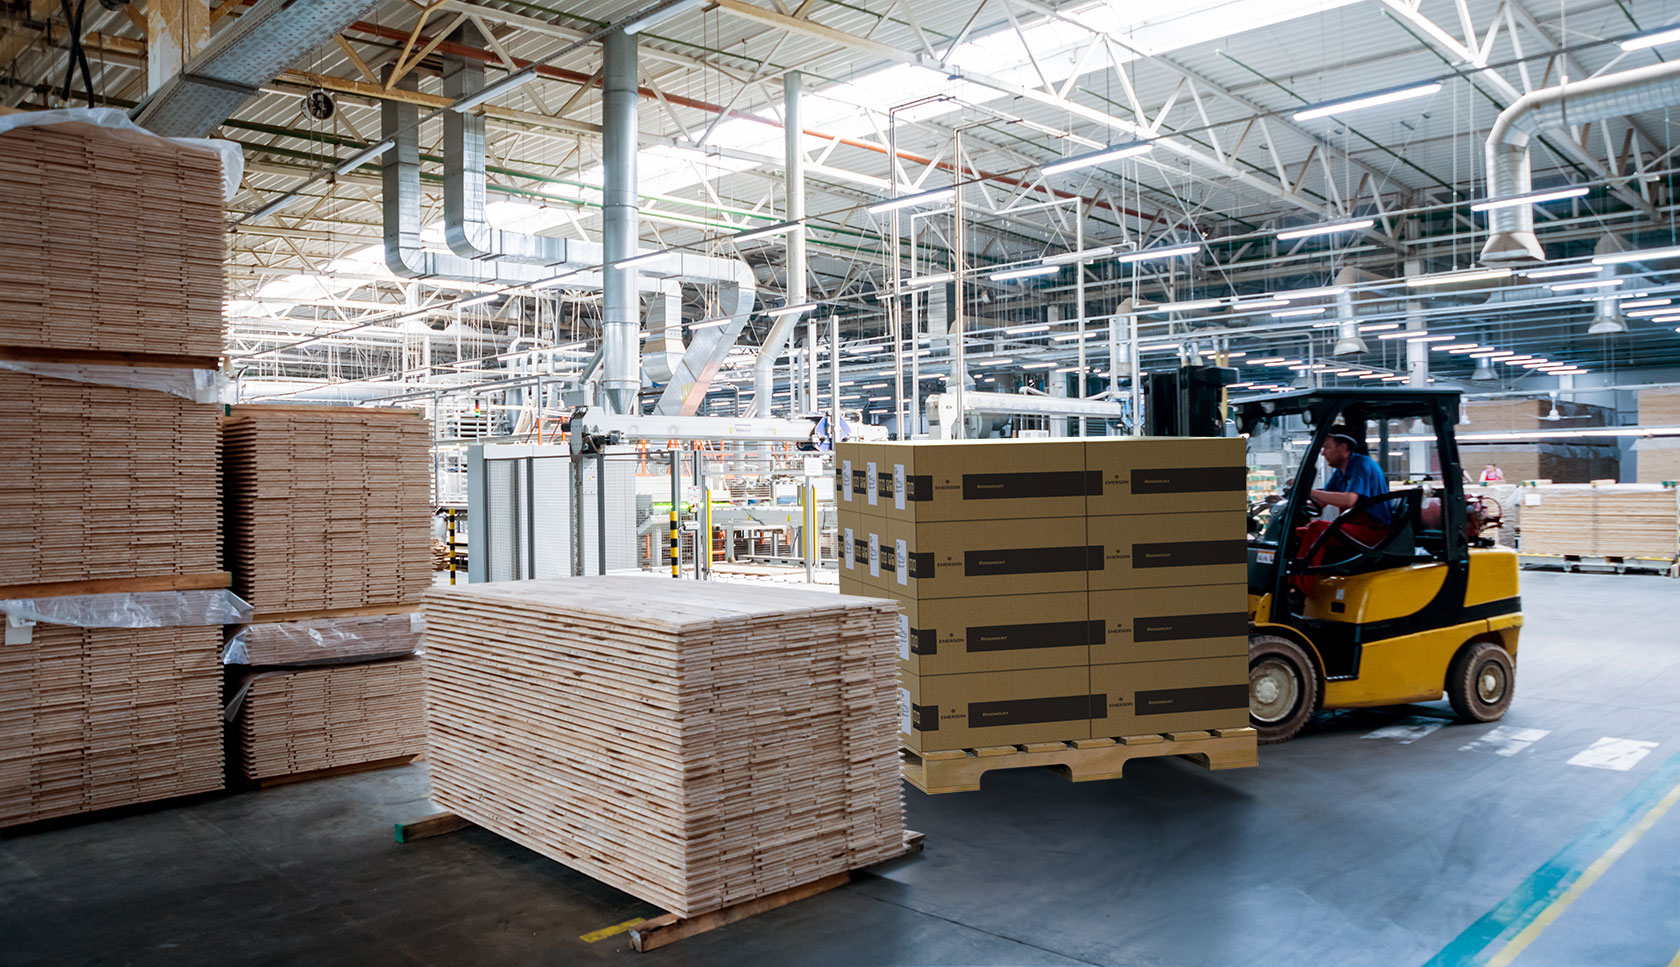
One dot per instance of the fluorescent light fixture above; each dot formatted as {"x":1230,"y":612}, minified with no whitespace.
{"x":1465,"y":349}
{"x":1425,"y":337}
{"x":1035,"y":327}
{"x":1493,"y":354}
{"x":1569,"y":371}
{"x":1235,"y":355}
{"x":798,"y":309}
{"x":1187,"y":306}
{"x":1326,"y":325}
{"x":1642,"y":313}
{"x":1110,"y":153}
{"x":911,"y":201}
{"x":1083,"y":255}
{"x":1449,"y":278}
{"x":1373,"y":99}
{"x":1404,"y":334}
{"x":1070,"y":336}
{"x":1331,"y":229}
{"x":479,"y":300}
{"x":1293,"y":313}
{"x":1038,"y":365}
{"x":363,"y":157}
{"x":1024,"y":273}
{"x":1532,"y":198}
{"x":1466,"y":346}
{"x":708,"y":324}
{"x":1158,"y":253}
{"x":1664,"y":320}
{"x":874,"y":386}
{"x":1350,"y":374}
{"x":780,"y":228}
{"x":1585,"y":284}
{"x":1257,"y":304}
{"x":1265,"y":362}
{"x":557,"y":279}
{"x":514,"y":80}
{"x":1535,"y":365}
{"x":1514,"y":360}
{"x":654,"y":18}
{"x":923,"y":281}
{"x":1645,"y":303}
{"x":641,"y":259}
{"x":1159,"y":347}
{"x":1374,"y":376}
{"x":1379,"y":326}
{"x":992,"y":361}
{"x":1643,"y":255}
{"x":1656,"y":38}
{"x":1067,"y":369}
{"x":1394,"y":379}
{"x":1315,"y":293}
{"x":1560,"y":271}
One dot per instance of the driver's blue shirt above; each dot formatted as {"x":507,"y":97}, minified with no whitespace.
{"x":1361,"y":475}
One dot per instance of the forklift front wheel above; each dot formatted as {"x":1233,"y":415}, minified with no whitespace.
{"x":1479,"y":682}
{"x":1282,"y":689}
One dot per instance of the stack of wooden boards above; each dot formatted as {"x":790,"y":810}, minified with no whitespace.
{"x":116,"y":259}
{"x":1580,"y":460}
{"x":329,"y":538}
{"x":1658,"y":458}
{"x":695,"y":745}
{"x":1611,"y":520}
{"x":1054,"y":590}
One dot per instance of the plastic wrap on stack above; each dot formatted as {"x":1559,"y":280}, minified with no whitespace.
{"x":326,"y":641}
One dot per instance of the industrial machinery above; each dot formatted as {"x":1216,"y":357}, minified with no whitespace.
{"x":1396,"y":615}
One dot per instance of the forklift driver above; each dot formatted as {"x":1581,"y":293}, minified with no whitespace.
{"x":1356,"y":475}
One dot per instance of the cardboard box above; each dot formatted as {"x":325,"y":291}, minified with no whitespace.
{"x":852,"y":530}
{"x":1169,"y":550}
{"x":995,"y":708}
{"x":981,"y":479}
{"x":1146,"y":697}
{"x":1163,"y":624}
{"x":965,"y":559}
{"x":856,"y":478}
{"x":1001,"y":632}
{"x":1166,"y":475}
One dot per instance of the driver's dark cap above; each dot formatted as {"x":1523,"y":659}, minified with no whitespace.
{"x":1342,"y":433}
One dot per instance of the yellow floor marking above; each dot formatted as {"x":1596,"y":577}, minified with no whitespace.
{"x":1676,"y":961}
{"x":611,"y":931}
{"x":1588,"y":877}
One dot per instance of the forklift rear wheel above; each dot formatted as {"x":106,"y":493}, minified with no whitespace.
{"x":1479,"y":682}
{"x":1282,"y":689}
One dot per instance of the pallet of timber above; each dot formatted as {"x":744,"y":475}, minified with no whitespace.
{"x":326,"y":641}
{"x":1658,"y":460}
{"x":1081,"y":760}
{"x":94,"y":718}
{"x":110,"y":240}
{"x":106,"y":482}
{"x":1659,"y":407}
{"x":292,"y":721}
{"x":1616,"y":520}
{"x":327,"y":507}
{"x":693,"y":744}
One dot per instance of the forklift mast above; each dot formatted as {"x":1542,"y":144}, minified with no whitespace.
{"x":1189,"y":402}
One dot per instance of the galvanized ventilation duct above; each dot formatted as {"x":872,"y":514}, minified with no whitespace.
{"x":266,"y":39}
{"x":1348,"y":340}
{"x":1507,"y":157}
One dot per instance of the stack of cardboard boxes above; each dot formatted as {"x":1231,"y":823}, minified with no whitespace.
{"x":1054,"y":590}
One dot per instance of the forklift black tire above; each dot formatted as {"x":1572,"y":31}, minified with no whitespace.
{"x":1282,"y":688}
{"x":1480,"y":682}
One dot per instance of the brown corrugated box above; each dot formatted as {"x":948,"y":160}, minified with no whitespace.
{"x":853,"y":477}
{"x":1000,"y":632}
{"x":995,"y":708}
{"x":1166,"y":475}
{"x":962,"y":559}
{"x":1163,"y":624}
{"x":1168,"y":550}
{"x":981,"y":479}
{"x":852,"y":529}
{"x":1141,"y":698}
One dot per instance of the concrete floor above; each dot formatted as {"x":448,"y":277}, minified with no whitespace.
{"x":1375,"y":838}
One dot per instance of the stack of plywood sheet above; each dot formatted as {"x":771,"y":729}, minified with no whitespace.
{"x":92,"y":718}
{"x":326,"y":641}
{"x":115,"y":242}
{"x":328,"y":507}
{"x":695,"y":745}
{"x":1659,"y":407}
{"x":306,"y":720}
{"x":1658,"y":459}
{"x":1625,"y":521}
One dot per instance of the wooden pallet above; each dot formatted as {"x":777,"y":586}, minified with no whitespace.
{"x":652,"y":933}
{"x":1081,"y":760}
{"x":1619,"y":565}
{"x":349,"y":770}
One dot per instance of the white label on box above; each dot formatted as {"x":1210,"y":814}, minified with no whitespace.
{"x":851,"y":559}
{"x":846,"y":478}
{"x":902,"y":563}
{"x":1531,"y":500}
{"x":904,"y":636}
{"x":874,"y":555}
{"x":904,"y":719}
{"x":898,"y":486}
{"x":872,"y":485}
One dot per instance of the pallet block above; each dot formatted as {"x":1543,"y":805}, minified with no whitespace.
{"x":1082,"y":760}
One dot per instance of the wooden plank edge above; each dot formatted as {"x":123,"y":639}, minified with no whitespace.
{"x":363,"y":611}
{"x":375,"y":765}
{"x":107,"y":357}
{"x":426,"y":827}
{"x":164,"y":582}
{"x":668,"y":928}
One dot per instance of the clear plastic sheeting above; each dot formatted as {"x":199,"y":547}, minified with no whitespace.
{"x":198,"y":385}
{"x":327,"y":641}
{"x":232,"y":155}
{"x":138,"y":609}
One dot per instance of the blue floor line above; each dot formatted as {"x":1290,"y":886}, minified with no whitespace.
{"x":1540,"y":888}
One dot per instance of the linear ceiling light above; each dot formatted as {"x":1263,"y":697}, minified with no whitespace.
{"x":363,"y":157}
{"x":1654,"y":39}
{"x":1375,"y":98}
{"x":910,"y":201}
{"x":1425,"y":337}
{"x":1258,"y":304}
{"x":1455,"y":346}
{"x":642,"y":259}
{"x":1642,"y":255}
{"x":1159,"y":253}
{"x":1034,"y":327}
{"x":1187,"y":306}
{"x":1493,"y":354}
{"x":1026,"y":273}
{"x":1535,"y":364}
{"x":923,"y":281}
{"x":1461,"y":350}
{"x":780,"y":228}
{"x":1645,"y":303}
{"x":1641,"y":313}
{"x":1292,"y":313}
{"x":1532,"y":198}
{"x":557,"y":279}
{"x":1404,"y":334}
{"x":653,"y":18}
{"x":1315,"y":293}
{"x":479,"y":300}
{"x":1356,"y":226}
{"x":1083,"y":255}
{"x":1561,"y":271}
{"x":797,"y":309}
{"x":1585,"y":284}
{"x":1448,"y":278}
{"x":1111,"y":153}
{"x":1379,"y":326}
{"x":517,"y":79}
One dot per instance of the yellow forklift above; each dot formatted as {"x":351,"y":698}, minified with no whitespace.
{"x":1426,"y":607}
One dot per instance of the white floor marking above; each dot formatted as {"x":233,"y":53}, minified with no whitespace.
{"x":1608,"y":753}
{"x":1506,"y":740}
{"x":1407,"y":730}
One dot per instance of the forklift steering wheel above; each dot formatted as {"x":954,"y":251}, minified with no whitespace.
{"x":1363,"y":552}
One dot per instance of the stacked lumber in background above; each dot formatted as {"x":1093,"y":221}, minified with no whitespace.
{"x":329,"y":538}
{"x":1658,"y":458}
{"x":695,"y":745}
{"x":1659,"y":407}
{"x":1580,"y":460}
{"x":115,"y":264}
{"x":1613,"y":520}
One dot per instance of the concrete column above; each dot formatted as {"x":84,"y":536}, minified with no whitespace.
{"x":175,"y":30}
